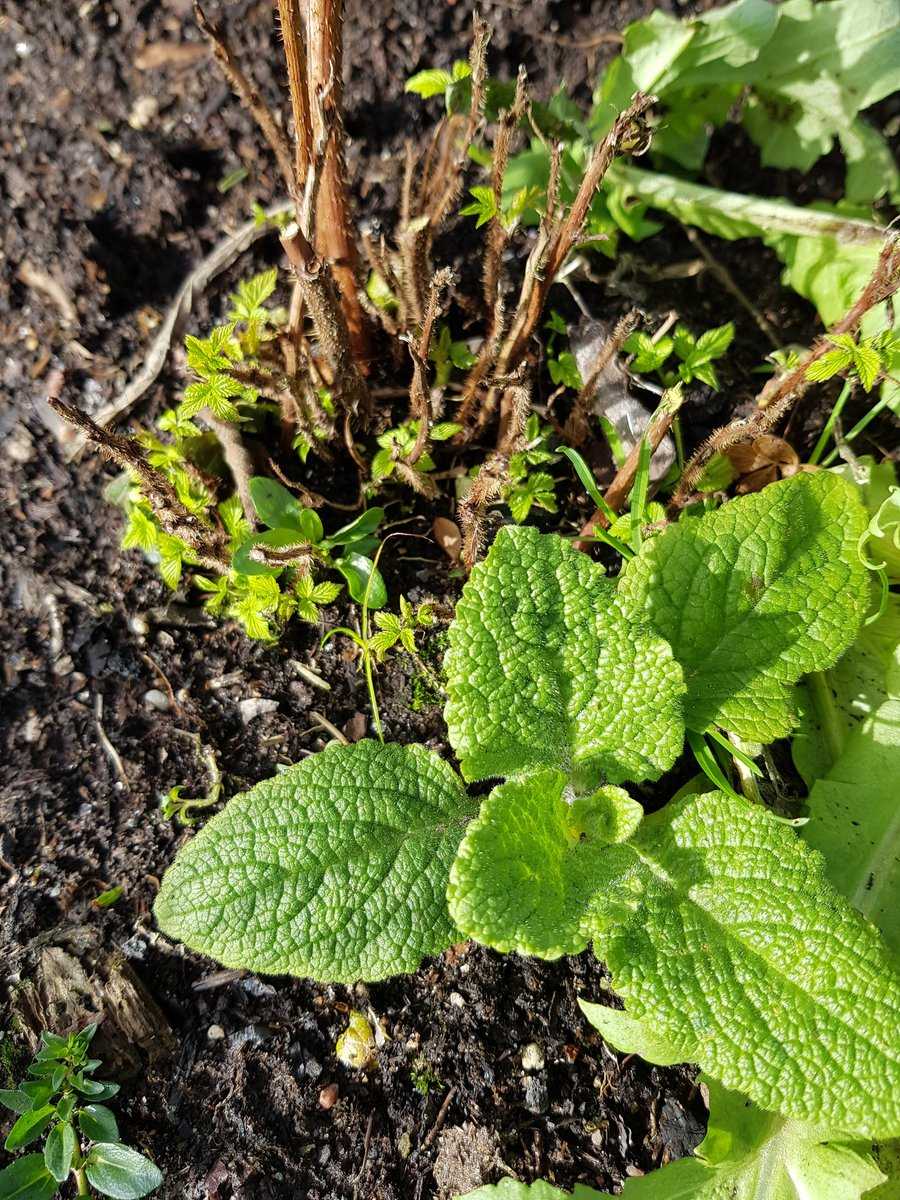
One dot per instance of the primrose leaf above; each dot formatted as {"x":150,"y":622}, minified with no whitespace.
{"x":525,"y":866}
{"x":27,"y":1179}
{"x":546,"y":669}
{"x":723,"y":935}
{"x":120,"y":1172}
{"x":752,"y":596}
{"x":336,"y":869}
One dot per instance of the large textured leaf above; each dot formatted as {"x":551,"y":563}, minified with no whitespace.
{"x":752,"y":596}
{"x":335,"y":869}
{"x":527,"y":862}
{"x":544,"y":669}
{"x":722,"y":935}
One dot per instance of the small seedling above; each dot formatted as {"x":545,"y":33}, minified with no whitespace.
{"x":61,"y":1100}
{"x":696,"y":355}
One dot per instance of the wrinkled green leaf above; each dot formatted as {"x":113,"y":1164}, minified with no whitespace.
{"x":754,"y":595}
{"x":545,"y":669}
{"x":337,"y":868}
{"x":721,"y":933}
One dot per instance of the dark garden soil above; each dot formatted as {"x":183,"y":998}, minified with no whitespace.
{"x":115,"y":132}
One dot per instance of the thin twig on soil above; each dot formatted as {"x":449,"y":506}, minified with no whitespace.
{"x":731,"y":285}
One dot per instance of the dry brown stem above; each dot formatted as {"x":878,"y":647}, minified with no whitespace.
{"x":295,"y":56}
{"x":175,"y":519}
{"x":419,"y":408}
{"x":335,"y":238}
{"x":322,"y":303}
{"x":237,"y":459}
{"x":543,"y":268}
{"x":249,"y":97}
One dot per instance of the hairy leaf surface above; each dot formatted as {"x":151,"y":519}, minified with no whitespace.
{"x":754,"y":595}
{"x":335,"y":869}
{"x":545,"y":669}
{"x":721,"y":933}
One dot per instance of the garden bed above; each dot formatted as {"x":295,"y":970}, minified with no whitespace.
{"x":236,"y":1090}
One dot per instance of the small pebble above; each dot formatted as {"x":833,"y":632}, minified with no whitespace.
{"x":215,"y":1033}
{"x":456,"y":1000}
{"x":143,"y":112}
{"x":138,"y":625}
{"x":156,"y":699}
{"x":533,"y":1057}
{"x":328,"y":1096}
{"x":251,"y":709}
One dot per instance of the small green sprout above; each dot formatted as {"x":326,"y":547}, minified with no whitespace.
{"x":62,"y":1100}
{"x":446,"y":354}
{"x":528,"y":488}
{"x":695,"y":354}
{"x":865,"y":359}
{"x":396,"y":445}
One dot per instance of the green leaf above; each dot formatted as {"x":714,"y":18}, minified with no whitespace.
{"x":428,"y":83}
{"x":483,"y":206}
{"x":27,"y":1179}
{"x":628,"y":1036}
{"x":214,"y":393}
{"x":358,"y":570}
{"x":749,"y":1154}
{"x":29,"y":1126}
{"x":121,"y":1172}
{"x":98,"y":1123}
{"x":511,"y":1189}
{"x":364,"y":525}
{"x":526,"y":864}
{"x":545,"y":669}
{"x":59,"y":1150}
{"x":752,"y":596}
{"x":722,"y":935}
{"x":853,"y":805}
{"x":279,"y":509}
{"x":18,"y":1101}
{"x":337,"y":868}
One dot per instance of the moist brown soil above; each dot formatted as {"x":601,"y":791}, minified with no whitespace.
{"x":115,"y":135}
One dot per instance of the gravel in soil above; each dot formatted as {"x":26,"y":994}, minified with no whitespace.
{"x":117,"y":132}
